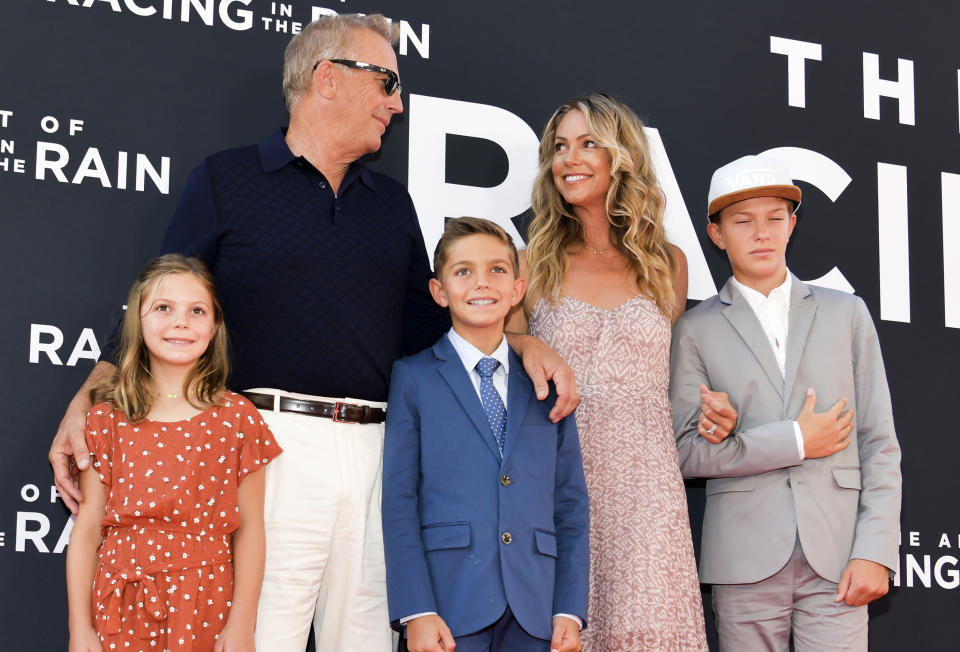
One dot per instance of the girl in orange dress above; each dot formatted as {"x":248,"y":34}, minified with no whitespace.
{"x":167,"y":549}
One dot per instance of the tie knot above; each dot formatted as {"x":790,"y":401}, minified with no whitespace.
{"x":486,"y":367}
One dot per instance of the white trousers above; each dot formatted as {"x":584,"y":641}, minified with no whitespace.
{"x":324,"y":556}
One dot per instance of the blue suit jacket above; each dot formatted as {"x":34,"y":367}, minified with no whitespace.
{"x":449,"y":502}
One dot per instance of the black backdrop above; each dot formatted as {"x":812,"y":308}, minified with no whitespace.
{"x":105,"y":106}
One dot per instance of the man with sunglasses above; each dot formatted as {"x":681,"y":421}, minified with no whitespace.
{"x":322,"y":272}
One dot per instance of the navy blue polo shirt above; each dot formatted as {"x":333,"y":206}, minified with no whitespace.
{"x":320,"y":292}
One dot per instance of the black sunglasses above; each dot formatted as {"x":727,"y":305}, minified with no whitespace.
{"x":391,"y":84}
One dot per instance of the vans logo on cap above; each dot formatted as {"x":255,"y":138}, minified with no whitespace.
{"x":753,"y":178}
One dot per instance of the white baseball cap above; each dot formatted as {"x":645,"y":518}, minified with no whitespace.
{"x":749,"y":177}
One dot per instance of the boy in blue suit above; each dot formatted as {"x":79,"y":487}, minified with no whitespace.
{"x":485,"y":513}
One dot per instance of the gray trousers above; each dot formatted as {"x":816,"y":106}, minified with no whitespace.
{"x":760,"y":616}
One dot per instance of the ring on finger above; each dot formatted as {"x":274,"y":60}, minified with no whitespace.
{"x":712,"y":429}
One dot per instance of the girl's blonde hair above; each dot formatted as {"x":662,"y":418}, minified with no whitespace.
{"x":634,"y":203}
{"x":128,"y":388}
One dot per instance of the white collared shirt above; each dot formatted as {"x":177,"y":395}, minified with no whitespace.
{"x":471,"y":355}
{"x":773,"y":313}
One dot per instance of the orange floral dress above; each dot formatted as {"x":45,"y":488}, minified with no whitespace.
{"x":165,"y":578}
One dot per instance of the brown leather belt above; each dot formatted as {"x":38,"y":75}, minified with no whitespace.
{"x":340,"y":412}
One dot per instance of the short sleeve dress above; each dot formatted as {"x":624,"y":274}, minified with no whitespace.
{"x":165,"y":578}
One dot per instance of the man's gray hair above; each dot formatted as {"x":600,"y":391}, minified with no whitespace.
{"x":328,"y":37}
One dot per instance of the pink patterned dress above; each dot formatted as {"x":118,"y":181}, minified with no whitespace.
{"x":644,"y":592}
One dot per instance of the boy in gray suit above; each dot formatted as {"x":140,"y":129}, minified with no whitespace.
{"x":802,"y":518}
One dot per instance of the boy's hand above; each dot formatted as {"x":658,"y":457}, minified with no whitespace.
{"x":862,"y":581}
{"x":824,"y":433}
{"x":718,"y":419}
{"x":566,"y":635}
{"x":429,"y":634}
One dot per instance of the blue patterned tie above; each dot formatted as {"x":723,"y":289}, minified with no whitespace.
{"x":492,"y":404}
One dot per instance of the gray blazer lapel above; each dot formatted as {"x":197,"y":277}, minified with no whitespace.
{"x":519,"y":390}
{"x":741,"y":316}
{"x":452,"y":371}
{"x":802,"y":309}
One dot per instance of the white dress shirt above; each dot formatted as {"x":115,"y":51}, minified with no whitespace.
{"x":470,"y":356}
{"x":773,"y":313}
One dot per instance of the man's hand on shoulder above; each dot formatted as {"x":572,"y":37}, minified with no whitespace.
{"x":543,"y":364}
{"x":70,"y":442}
{"x":862,"y":582}
{"x":429,"y":634}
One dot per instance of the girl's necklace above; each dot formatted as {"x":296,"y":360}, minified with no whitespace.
{"x":165,"y":395}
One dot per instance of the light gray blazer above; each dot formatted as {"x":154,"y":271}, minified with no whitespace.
{"x":760,"y":494}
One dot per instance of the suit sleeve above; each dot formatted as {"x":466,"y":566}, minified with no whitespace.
{"x":409,"y":588}
{"x":878,"y":517}
{"x":757,"y":449}
{"x":572,"y":522}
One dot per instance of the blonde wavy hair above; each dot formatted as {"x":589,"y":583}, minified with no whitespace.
{"x":635,"y":204}
{"x":129,"y":387}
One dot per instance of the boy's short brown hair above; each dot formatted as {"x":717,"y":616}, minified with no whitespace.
{"x":461,"y":227}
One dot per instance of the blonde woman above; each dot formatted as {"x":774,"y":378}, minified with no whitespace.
{"x":605,"y":287}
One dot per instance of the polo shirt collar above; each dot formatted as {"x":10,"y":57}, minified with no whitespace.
{"x":365,"y":175}
{"x":275,"y":154}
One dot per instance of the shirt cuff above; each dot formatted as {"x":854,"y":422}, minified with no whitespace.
{"x":404,"y":621}
{"x":799,"y":436}
{"x":575,"y":619}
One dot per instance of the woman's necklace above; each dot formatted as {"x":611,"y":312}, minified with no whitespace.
{"x":595,"y":252}
{"x":165,"y":395}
